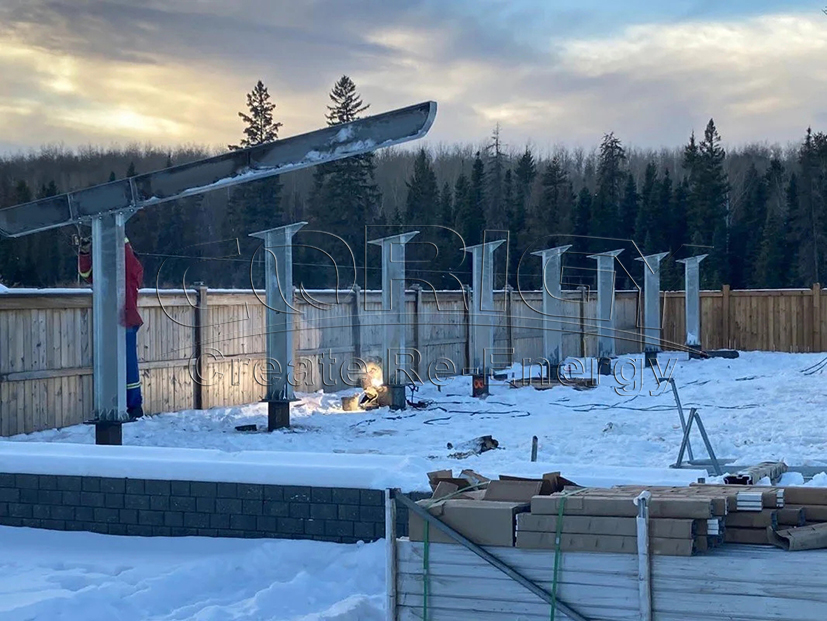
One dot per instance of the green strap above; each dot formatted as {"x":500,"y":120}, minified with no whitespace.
{"x":426,"y":567}
{"x":557,"y":555}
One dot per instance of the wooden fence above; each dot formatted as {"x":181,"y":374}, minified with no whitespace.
{"x":218,"y":337}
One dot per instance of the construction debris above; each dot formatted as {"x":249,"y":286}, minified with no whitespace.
{"x":472,"y":447}
{"x":750,"y":476}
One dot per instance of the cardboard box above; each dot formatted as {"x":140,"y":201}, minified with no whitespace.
{"x":791,"y":516}
{"x":552,"y":483}
{"x":570,"y":542}
{"x":589,"y":525}
{"x":608,"y":506}
{"x":801,"y":538}
{"x":512,"y":490}
{"x":753,"y":536}
{"x":485,"y":522}
{"x":752,"y":519}
{"x":805,"y":496}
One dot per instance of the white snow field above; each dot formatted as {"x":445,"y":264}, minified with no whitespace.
{"x":60,"y":576}
{"x":755,"y":408}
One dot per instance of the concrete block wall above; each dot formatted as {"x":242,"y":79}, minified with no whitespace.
{"x":156,"y":508}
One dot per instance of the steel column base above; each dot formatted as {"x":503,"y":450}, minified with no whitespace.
{"x":553,"y":373}
{"x":479,"y":385}
{"x":398,"y":401}
{"x":695,"y":352}
{"x":278,"y":415}
{"x":651,"y":358}
{"x":604,"y":366}
{"x":109,"y":434}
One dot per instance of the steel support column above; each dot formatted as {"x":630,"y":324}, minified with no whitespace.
{"x":692,"y":303}
{"x":109,"y":334}
{"x":552,"y":307}
{"x":651,"y":305}
{"x":605,"y":307}
{"x":481,"y":313}
{"x":394,"y":353}
{"x":278,"y":278}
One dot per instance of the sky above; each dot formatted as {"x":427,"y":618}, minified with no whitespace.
{"x":561,"y":72}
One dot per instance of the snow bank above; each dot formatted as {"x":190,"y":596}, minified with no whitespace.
{"x":309,"y":469}
{"x":49,"y":575}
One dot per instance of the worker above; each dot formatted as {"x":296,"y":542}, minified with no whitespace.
{"x":131,"y":319}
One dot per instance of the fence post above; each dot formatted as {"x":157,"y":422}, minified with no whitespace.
{"x":419,"y":361}
{"x":356,"y":322}
{"x":724,"y":315}
{"x":466,"y":290}
{"x":509,"y":322}
{"x":200,"y":322}
{"x":816,"y":317}
{"x":583,"y":299}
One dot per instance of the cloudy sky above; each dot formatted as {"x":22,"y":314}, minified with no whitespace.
{"x":549,"y":71}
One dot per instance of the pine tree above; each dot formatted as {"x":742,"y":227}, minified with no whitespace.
{"x":808,"y":217}
{"x":606,"y":205}
{"x":256,"y":205}
{"x":112,"y":176}
{"x":421,"y":213}
{"x":771,"y":264}
{"x":628,"y":209}
{"x":449,"y":242}
{"x":708,"y":202}
{"x":791,"y":235}
{"x":495,"y":206}
{"x":259,"y":125}
{"x":471,"y":221}
{"x":345,"y":198}
{"x":648,"y":223}
{"x":130,"y":171}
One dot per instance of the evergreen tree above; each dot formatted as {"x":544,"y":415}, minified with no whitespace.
{"x":495,"y":208}
{"x":582,"y":222}
{"x":649,"y":222}
{"x":112,"y":176}
{"x":707,"y":214}
{"x":606,"y":205}
{"x":345,"y":198}
{"x":791,"y":237}
{"x":807,"y":218}
{"x":256,"y":205}
{"x":771,"y":266}
{"x":471,"y":223}
{"x":421,"y":213}
{"x":628,"y":209}
{"x":747,"y":229}
{"x":130,"y":171}
{"x":449,"y":243}
{"x":259,"y":124}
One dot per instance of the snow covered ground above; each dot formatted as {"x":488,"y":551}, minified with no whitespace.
{"x":58,"y":576}
{"x":755,"y":408}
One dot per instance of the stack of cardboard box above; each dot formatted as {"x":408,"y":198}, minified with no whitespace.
{"x":682,"y":520}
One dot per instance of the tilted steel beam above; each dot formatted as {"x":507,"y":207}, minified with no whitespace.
{"x":272,"y":158}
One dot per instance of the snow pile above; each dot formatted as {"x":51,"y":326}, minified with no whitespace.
{"x":49,"y":575}
{"x":311,"y":469}
{"x":3,"y":288}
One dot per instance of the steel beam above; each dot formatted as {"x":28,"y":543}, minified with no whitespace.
{"x":258,"y":162}
{"x":109,"y":334}
{"x":552,"y":307}
{"x":651,"y":304}
{"x":394,"y":319}
{"x":278,"y":278}
{"x":605,"y":303}
{"x":692,"y":304}
{"x":481,"y":308}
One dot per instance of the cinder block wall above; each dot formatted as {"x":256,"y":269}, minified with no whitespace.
{"x":153,"y":508}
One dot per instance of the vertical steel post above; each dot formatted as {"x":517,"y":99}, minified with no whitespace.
{"x":394,"y":354}
{"x":109,"y":334}
{"x":278,"y":278}
{"x":552,"y":308}
{"x":481,"y":313}
{"x":692,"y":300}
{"x":605,"y":306}
{"x":651,"y":305}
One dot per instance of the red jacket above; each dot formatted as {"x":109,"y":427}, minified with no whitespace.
{"x":134,"y":277}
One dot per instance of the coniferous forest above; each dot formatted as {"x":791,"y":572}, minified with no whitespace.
{"x":758,"y":211}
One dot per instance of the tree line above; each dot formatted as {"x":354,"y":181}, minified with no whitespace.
{"x":759,"y":212}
